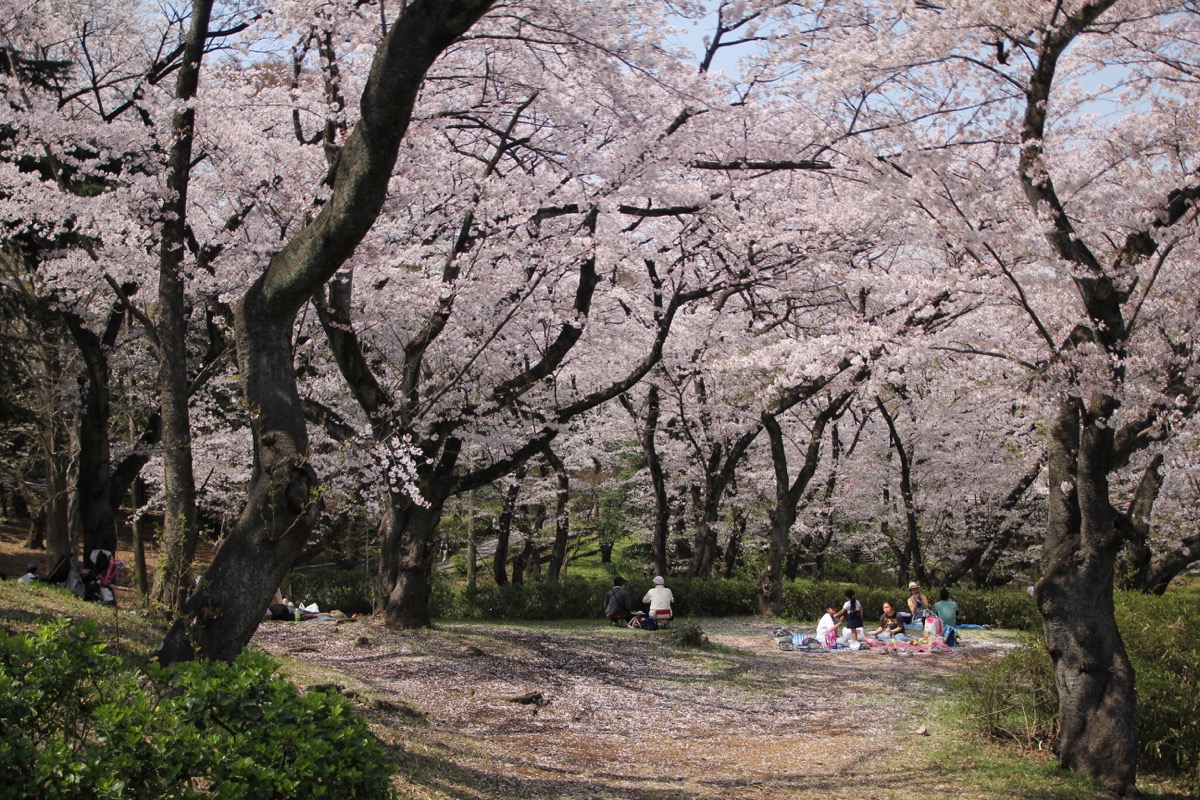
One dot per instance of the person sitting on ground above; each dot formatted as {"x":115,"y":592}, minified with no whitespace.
{"x":852,"y":612}
{"x":30,"y":574}
{"x":918,"y":603}
{"x":946,"y":609}
{"x":828,"y":625}
{"x":890,"y":627}
{"x":659,"y":598}
{"x":618,"y":606}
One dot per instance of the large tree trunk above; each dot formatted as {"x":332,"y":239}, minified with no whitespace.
{"x":787,"y":497}
{"x":912,"y":562}
{"x":228,"y":602}
{"x":227,"y":605}
{"x":658,"y":482}
{"x":408,"y":561}
{"x":179,"y":533}
{"x":504,"y":523}
{"x":1097,"y":705}
{"x":96,"y":513}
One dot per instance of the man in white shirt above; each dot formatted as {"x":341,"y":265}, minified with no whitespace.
{"x":659,"y":597}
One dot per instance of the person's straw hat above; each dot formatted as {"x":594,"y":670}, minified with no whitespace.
{"x":914,"y":585}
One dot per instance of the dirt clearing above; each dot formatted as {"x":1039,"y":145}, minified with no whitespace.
{"x":592,"y":711}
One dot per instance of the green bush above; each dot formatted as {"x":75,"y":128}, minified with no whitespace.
{"x":1162,"y":637}
{"x":1014,"y":698}
{"x":350,"y":591}
{"x":77,"y":722}
{"x":803,"y":599}
{"x":573,"y":598}
{"x":582,"y":598}
{"x":688,"y":634}
{"x":1004,"y":608}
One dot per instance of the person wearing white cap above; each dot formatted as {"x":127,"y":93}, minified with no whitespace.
{"x":659,"y":598}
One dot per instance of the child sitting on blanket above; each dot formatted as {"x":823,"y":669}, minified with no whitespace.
{"x":827,"y":626}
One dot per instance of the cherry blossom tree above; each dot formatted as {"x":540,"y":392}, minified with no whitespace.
{"x":280,"y":511}
{"x":985,"y":121}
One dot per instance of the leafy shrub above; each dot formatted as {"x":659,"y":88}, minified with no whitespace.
{"x":1014,"y":697}
{"x":348,"y":590}
{"x":688,"y":634}
{"x":580,"y":598}
{"x":572,"y":598}
{"x":709,"y":597}
{"x":77,"y":722}
{"x":1004,"y":608}
{"x":1162,"y":637}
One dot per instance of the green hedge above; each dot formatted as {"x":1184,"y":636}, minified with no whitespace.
{"x":348,"y":590}
{"x":1162,"y":637}
{"x":803,"y":600}
{"x":76,"y":722}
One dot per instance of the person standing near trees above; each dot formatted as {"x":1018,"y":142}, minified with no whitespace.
{"x":852,"y":610}
{"x":618,"y":606}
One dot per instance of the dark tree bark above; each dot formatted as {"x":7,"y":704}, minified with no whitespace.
{"x":222,"y":613}
{"x":979,"y":561}
{"x":787,"y":497}
{"x":179,"y":534}
{"x":815,"y":545}
{"x":911,"y":560}
{"x":140,"y":576}
{"x":97,"y":515}
{"x":562,"y":517}
{"x":1097,"y":703}
{"x":503,"y":529}
{"x":658,"y":483}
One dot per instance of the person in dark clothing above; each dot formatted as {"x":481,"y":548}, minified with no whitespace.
{"x":890,"y":627}
{"x":618,"y":606}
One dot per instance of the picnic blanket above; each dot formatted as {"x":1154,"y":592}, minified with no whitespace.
{"x":790,"y":641}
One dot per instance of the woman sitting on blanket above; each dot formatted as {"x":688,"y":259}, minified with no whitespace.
{"x":918,"y":604}
{"x":890,"y":627}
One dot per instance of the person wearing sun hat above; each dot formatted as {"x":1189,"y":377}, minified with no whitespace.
{"x":918,"y":604}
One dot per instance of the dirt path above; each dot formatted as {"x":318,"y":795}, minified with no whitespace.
{"x":626,"y":714}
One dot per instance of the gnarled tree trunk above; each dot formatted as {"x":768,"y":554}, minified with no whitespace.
{"x":229,"y":600}
{"x":1097,"y":704}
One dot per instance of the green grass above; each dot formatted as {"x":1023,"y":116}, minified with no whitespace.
{"x":130,"y":633}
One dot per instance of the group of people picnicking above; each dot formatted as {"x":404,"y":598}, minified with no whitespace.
{"x":658,"y":605}
{"x":933,"y":619}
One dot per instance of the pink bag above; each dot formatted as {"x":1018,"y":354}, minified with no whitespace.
{"x":933,"y":627}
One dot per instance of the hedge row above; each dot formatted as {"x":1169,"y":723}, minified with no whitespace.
{"x":354,"y":591}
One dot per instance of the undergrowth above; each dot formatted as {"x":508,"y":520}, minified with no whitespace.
{"x":78,"y":722}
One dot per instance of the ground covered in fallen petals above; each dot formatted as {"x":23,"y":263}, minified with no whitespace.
{"x":577,"y":710}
